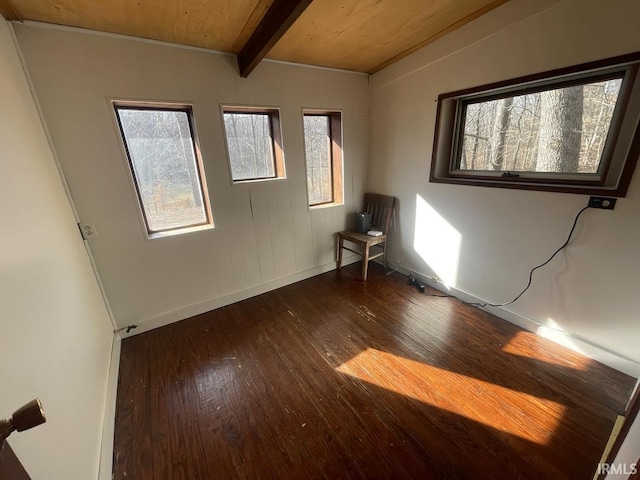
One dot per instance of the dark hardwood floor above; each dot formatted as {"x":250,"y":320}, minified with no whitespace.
{"x":336,"y":378}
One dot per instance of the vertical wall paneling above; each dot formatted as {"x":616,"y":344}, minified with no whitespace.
{"x":317,"y":233}
{"x":264,"y":233}
{"x":275,"y":237}
{"x":247,"y":234}
{"x":285,"y":223}
{"x":264,"y":238}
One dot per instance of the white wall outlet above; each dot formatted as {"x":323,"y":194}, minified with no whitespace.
{"x":88,"y":230}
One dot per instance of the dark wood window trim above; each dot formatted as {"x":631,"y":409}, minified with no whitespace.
{"x":336,"y":156}
{"x":276,"y":143}
{"x":619,"y":158}
{"x":170,"y":107}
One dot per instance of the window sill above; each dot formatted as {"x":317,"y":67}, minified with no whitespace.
{"x":179,"y":231}
{"x":610,"y":191}
{"x":325,"y":205}
{"x":257,"y":180}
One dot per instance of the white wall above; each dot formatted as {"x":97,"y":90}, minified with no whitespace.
{"x":167,"y":279}
{"x":55,"y":334}
{"x":484,"y":241}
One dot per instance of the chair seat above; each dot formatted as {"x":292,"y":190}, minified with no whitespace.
{"x":365,"y":242}
{"x":362,"y":238}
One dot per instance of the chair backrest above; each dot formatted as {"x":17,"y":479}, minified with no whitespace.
{"x":381,"y":209}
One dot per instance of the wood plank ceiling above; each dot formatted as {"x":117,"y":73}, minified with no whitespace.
{"x":359,"y":35}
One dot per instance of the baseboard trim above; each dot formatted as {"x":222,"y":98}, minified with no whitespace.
{"x":208,"y":305}
{"x":105,"y":466}
{"x":569,"y":340}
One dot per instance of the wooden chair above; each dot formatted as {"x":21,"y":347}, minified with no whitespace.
{"x":381,"y":208}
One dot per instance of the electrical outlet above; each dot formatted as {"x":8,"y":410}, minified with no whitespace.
{"x":606,"y":203}
{"x":88,"y":230}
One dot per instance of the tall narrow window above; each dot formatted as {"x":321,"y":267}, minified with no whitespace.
{"x":323,"y":153}
{"x":254,"y":143}
{"x":166,"y":168}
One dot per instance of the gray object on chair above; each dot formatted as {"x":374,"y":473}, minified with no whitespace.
{"x":363,"y":222}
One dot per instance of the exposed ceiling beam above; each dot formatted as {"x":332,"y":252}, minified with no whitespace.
{"x":273,"y":26}
{"x":260,"y":10}
{"x":8,"y":11}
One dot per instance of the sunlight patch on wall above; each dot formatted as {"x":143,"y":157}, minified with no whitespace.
{"x":459,"y":394}
{"x":553,"y":331}
{"x":437,"y":242}
{"x":529,"y":345}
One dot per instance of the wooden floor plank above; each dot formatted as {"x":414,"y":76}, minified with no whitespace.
{"x":339,"y":451}
{"x":133,"y":440}
{"x":333,"y":377}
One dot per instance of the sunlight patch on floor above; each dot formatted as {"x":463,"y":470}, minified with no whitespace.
{"x":517,"y":413}
{"x":530,"y":345}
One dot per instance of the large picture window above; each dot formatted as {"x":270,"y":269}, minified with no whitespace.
{"x":167,"y":171}
{"x":569,"y":130}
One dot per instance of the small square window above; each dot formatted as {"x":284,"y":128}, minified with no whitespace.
{"x":323,"y":153}
{"x":254,"y":143}
{"x":165,"y":165}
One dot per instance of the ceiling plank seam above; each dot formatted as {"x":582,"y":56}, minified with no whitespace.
{"x":435,"y":36}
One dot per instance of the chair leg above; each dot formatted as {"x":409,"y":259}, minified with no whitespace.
{"x":384,"y":256}
{"x":365,"y":261}
{"x":340,"y":244}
